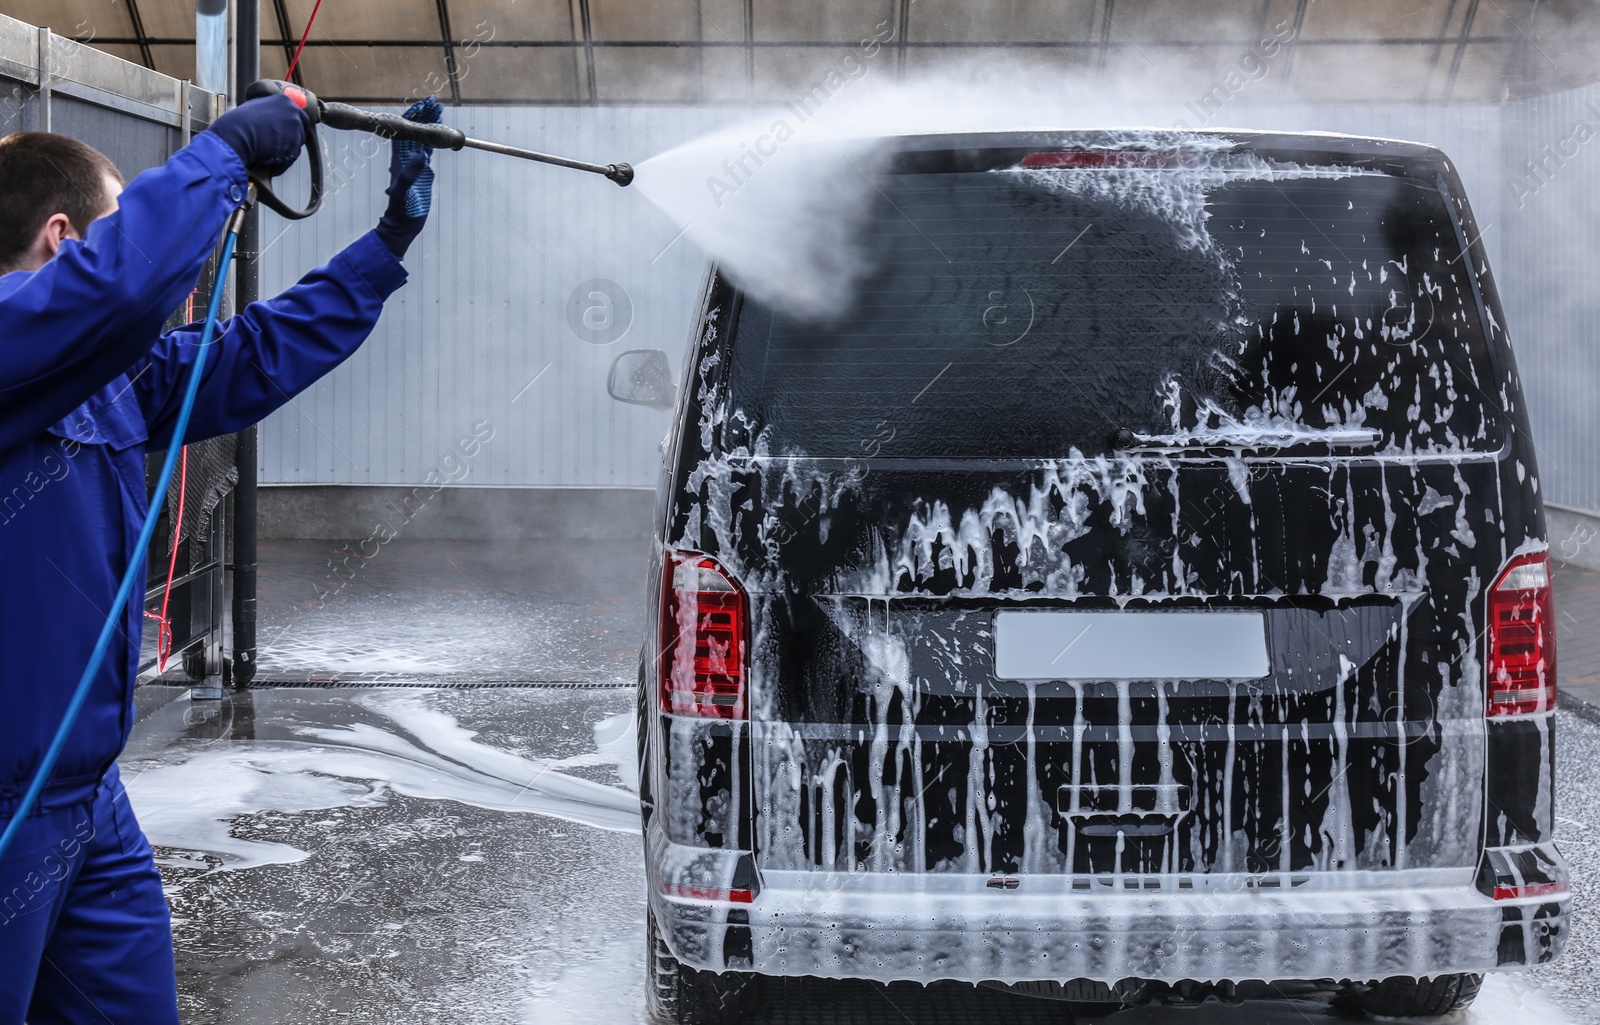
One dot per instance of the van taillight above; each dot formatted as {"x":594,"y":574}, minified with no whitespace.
{"x":701,"y":639}
{"x":713,"y":893}
{"x":1522,"y":639}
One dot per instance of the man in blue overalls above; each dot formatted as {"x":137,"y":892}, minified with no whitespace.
{"x":87,"y":383}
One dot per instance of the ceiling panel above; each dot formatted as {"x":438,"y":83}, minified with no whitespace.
{"x":1498,"y":20}
{"x":811,"y":73}
{"x":1279,"y":15}
{"x":1481,"y":77}
{"x":505,"y":74}
{"x":361,"y":19}
{"x":275,"y":63}
{"x":1430,"y":19}
{"x":177,"y":61}
{"x":502,"y":20}
{"x":1002,"y":21}
{"x":127,"y":51}
{"x":631,"y":21}
{"x":981,"y":62}
{"x":648,"y":74}
{"x":725,"y":73}
{"x":80,"y":19}
{"x":1358,"y":73}
{"x":700,"y":56}
{"x":842,"y":21}
{"x":166,"y":20}
{"x":722,"y":21}
{"x":375,"y":72}
{"x":1133,"y":20}
{"x":1377,"y":19}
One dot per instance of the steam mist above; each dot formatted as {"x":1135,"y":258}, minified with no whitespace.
{"x":771,"y":189}
{"x":773,"y":199}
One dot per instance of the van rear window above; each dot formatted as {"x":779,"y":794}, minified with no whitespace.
{"x":1030,"y":312}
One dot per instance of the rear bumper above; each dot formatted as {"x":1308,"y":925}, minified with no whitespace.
{"x":952,"y":927}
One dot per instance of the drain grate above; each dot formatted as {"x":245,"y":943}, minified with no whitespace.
{"x":440,"y":683}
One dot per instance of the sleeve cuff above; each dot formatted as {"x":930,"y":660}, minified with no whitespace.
{"x":218,"y":158}
{"x":370,"y":261}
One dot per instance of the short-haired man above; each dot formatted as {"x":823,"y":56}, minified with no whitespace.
{"x":88,"y":382}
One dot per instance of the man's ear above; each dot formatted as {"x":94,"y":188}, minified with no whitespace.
{"x":58,"y":227}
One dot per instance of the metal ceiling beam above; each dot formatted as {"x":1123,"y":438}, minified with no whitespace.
{"x":587,"y":23}
{"x":902,"y":38}
{"x":1444,"y":26}
{"x":1461,"y":47}
{"x":449,"y":39}
{"x":700,"y":53}
{"x":1293,"y":44}
{"x":1518,"y":67}
{"x":749,"y":50}
{"x":281,"y":13}
{"x":1261,"y":19}
{"x":1106,"y":7}
{"x":141,"y":35}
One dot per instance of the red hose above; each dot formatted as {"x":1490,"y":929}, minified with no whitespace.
{"x":163,"y":624}
{"x":295,"y":61}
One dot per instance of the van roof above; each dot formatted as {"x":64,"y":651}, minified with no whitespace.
{"x":1298,"y":147}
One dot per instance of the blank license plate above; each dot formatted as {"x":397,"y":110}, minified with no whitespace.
{"x":1048,"y":645}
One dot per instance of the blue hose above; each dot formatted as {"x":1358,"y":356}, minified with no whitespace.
{"x":135,"y":558}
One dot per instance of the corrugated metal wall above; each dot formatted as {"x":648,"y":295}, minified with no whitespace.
{"x":486,"y":310}
{"x":1548,"y":277}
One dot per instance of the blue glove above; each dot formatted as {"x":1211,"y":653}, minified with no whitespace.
{"x":410,"y":182}
{"x":268,"y":133}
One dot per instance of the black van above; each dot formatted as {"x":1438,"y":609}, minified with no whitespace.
{"x":1135,"y":589}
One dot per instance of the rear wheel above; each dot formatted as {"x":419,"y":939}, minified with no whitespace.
{"x":676,"y":994}
{"x":1417,"y":998}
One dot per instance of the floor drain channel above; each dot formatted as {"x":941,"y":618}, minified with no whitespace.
{"x":439,"y":684}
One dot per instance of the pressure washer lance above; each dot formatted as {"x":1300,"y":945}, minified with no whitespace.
{"x":390,"y":126}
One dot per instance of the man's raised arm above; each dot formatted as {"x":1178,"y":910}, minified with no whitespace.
{"x":85,"y":316}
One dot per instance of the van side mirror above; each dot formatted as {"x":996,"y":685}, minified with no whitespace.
{"x":642,"y":377}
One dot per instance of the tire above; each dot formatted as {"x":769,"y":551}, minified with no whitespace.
{"x":1417,"y":998}
{"x":676,"y":994}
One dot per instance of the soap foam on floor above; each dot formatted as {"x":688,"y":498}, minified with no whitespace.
{"x":188,"y":805}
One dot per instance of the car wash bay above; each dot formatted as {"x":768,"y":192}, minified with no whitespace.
{"x":423,"y":810}
{"x":428,"y":806}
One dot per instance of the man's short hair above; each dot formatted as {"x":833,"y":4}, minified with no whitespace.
{"x":43,"y":174}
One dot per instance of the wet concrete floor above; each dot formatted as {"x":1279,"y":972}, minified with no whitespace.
{"x":417,"y":847}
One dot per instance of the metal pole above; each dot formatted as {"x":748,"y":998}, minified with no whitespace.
{"x":248,"y":68}
{"x":46,"y":73}
{"x":211,"y":45}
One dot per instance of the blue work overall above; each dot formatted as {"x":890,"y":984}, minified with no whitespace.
{"x":88,"y":383}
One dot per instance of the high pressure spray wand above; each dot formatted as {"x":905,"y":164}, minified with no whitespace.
{"x":389,"y":126}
